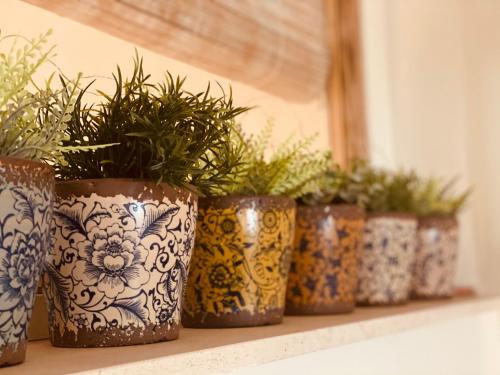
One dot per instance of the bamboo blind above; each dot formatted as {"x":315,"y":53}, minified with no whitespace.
{"x":278,"y":46}
{"x":295,"y":49}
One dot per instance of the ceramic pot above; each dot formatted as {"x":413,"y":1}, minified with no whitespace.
{"x":435,"y":260}
{"x":240,"y":262}
{"x":26,"y":199}
{"x":386,"y":261}
{"x":116,"y":273}
{"x":324,"y":271}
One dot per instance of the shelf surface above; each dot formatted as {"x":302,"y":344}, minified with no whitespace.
{"x":206,"y":350}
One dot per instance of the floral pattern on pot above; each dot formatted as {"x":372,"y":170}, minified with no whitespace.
{"x":386,"y":262}
{"x":436,"y":258}
{"x":117,"y":270}
{"x":240,"y":262}
{"x":324,"y":271}
{"x":26,"y":198}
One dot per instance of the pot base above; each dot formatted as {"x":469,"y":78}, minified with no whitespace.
{"x":85,"y":338}
{"x":320,"y":309}
{"x":240,"y":319}
{"x":382,"y":304}
{"x":419,"y":296}
{"x":12,"y":354}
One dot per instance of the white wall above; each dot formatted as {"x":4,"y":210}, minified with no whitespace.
{"x":418,"y":72}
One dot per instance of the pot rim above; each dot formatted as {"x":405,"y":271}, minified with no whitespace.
{"x":442,"y":222}
{"x":438,"y":217}
{"x":20,"y":161}
{"x":118,"y":182}
{"x":223,"y":200}
{"x":123,"y":179}
{"x":392,"y":214}
{"x":339,"y":209}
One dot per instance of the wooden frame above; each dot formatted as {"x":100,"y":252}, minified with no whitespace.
{"x":348,"y":135}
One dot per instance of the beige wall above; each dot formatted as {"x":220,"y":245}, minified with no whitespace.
{"x":481,"y":22}
{"x":84,"y":49}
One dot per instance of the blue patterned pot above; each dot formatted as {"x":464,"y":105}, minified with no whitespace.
{"x":116,"y":273}
{"x":436,"y":257}
{"x":387,"y":258}
{"x":26,"y":198}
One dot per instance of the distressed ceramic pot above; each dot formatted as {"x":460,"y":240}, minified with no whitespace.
{"x":436,"y":256}
{"x":26,"y":199}
{"x":324,"y":270}
{"x":240,"y":262}
{"x":116,"y":273}
{"x":386,"y":261}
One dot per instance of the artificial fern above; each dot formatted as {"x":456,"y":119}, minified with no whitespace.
{"x":374,"y":189}
{"x":435,"y":198}
{"x":32,"y":119}
{"x":160,"y":132}
{"x":289,"y":171}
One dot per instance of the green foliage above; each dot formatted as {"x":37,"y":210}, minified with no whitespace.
{"x":435,"y":198}
{"x":340,"y":186}
{"x":397,"y":193}
{"x":32,"y":118}
{"x":289,"y":171}
{"x":328,"y":187}
{"x":376,"y":190}
{"x":161,"y":132}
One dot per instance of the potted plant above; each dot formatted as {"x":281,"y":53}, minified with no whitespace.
{"x":437,"y":246}
{"x":328,"y":239}
{"x":388,"y":252}
{"x":125,"y":216}
{"x":245,"y":234}
{"x":32,"y":128}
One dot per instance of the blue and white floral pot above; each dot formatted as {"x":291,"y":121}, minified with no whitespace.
{"x":117,"y":270}
{"x":26,"y":198}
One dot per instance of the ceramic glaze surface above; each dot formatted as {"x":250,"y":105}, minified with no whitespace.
{"x":117,"y":270}
{"x":26,"y":198}
{"x":323,"y":274}
{"x":386,"y":262}
{"x":240,"y":264}
{"x":436,"y":258}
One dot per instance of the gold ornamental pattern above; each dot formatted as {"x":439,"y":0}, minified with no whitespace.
{"x":240,"y":261}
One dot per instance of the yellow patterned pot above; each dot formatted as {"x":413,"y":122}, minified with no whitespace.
{"x":240,"y":263}
{"x":324,"y":270}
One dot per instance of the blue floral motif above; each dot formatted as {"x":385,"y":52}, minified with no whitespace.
{"x":111,"y":259}
{"x":117,"y":263}
{"x":25,"y":216}
{"x":17,"y":268}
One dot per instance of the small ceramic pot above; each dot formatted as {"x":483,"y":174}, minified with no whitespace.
{"x":240,"y":262}
{"x":116,"y":273}
{"x":324,"y":271}
{"x":386,"y":262}
{"x":26,"y":199}
{"x":436,"y":256}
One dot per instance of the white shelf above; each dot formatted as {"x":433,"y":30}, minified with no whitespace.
{"x":206,"y":350}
